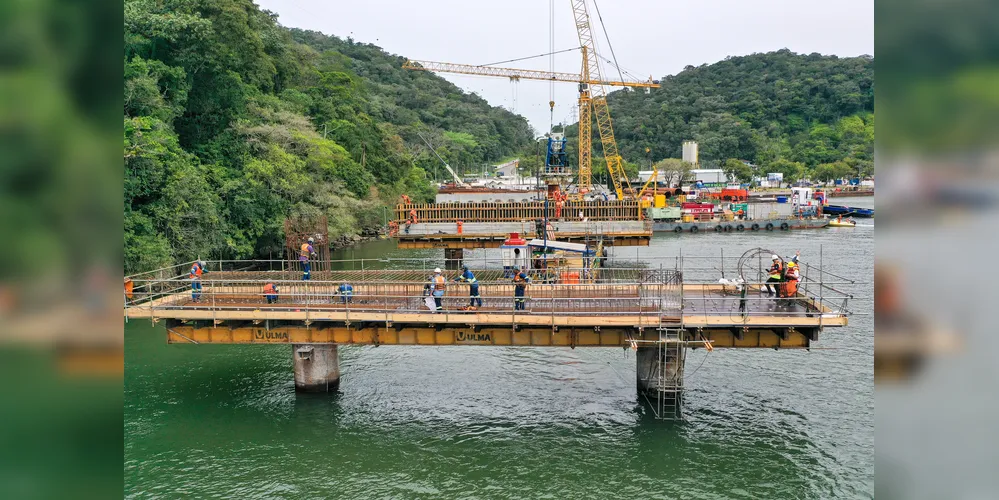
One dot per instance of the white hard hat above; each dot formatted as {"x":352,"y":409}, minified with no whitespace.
{"x":201,"y":263}
{"x":437,"y":270}
{"x":774,"y":257}
{"x":311,"y":240}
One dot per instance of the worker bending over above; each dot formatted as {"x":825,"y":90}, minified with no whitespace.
{"x":303,"y":256}
{"x":346,"y":292}
{"x":438,"y":284}
{"x":474,"y":299}
{"x":196,"y":271}
{"x":776,"y":271}
{"x":520,"y":282}
{"x":270,"y":293}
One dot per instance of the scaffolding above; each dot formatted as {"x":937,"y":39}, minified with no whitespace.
{"x":612,"y":210}
{"x":297,"y":231}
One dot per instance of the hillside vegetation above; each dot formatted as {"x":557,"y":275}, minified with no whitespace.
{"x":803,"y":115}
{"x":233,"y":122}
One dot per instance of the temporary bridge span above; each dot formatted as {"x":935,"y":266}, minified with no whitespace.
{"x":656,"y":310}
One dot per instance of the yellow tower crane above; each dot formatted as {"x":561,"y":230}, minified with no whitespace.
{"x":592,"y":99}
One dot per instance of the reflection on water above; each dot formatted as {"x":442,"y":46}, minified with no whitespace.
{"x":454,"y":421}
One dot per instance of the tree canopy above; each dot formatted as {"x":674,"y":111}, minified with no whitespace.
{"x":767,"y":109}
{"x":233,"y":122}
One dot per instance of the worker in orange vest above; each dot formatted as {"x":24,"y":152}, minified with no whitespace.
{"x":405,"y":199}
{"x":196,"y":271}
{"x":304,"y":253}
{"x":793,"y":275}
{"x":438,"y":285}
{"x":460,"y":226}
{"x":412,"y":215}
{"x":270,"y":293}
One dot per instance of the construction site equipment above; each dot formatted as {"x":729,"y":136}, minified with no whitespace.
{"x":592,"y":101}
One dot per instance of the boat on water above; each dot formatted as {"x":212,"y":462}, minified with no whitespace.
{"x":845,"y":210}
{"x":841,"y":222}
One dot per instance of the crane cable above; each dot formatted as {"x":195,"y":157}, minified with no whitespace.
{"x":570,"y":49}
{"x":604,"y":27}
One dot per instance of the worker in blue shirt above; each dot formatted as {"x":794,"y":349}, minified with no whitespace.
{"x":474,"y":299}
{"x":197,"y":269}
{"x":520,"y":281}
{"x":346,"y":292}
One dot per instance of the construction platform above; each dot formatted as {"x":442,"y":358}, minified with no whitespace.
{"x":653,"y":311}
{"x":613,"y":210}
{"x":492,"y":234}
{"x":388,"y":307}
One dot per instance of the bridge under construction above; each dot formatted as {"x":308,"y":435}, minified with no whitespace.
{"x":656,"y":311}
{"x":460,"y":226}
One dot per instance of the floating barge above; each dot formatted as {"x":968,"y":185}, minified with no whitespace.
{"x":736,"y":226}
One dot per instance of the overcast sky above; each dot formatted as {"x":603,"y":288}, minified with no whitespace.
{"x":649,"y":37}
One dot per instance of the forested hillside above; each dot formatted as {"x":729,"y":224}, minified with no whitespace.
{"x":809,"y":115}
{"x":232,"y":123}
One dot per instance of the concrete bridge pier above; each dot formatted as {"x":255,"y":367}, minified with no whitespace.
{"x":317,"y":367}
{"x":453,"y":258}
{"x":659,"y":370}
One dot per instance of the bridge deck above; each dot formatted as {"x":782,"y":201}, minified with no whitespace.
{"x":625,"y":305}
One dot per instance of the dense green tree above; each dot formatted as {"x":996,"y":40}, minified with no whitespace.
{"x":811,"y":109}
{"x":233,"y":123}
{"x":792,"y":170}
{"x":738,"y":170}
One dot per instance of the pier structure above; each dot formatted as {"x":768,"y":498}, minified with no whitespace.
{"x":658,"y":311}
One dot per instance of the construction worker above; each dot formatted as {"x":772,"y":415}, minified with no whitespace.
{"x":474,"y":299}
{"x":520,"y":282}
{"x":346,"y":292}
{"x":197,"y":269}
{"x":792,"y":276}
{"x":438,"y":285}
{"x":776,"y":271}
{"x":460,"y":225}
{"x":304,"y":254}
{"x":270,"y":293}
{"x":412,"y":215}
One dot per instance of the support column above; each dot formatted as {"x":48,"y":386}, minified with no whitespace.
{"x":317,"y":367}
{"x":659,"y":370}
{"x":453,"y":257}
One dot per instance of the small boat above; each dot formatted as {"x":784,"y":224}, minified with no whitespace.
{"x":840,"y":222}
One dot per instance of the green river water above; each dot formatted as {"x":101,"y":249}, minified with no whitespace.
{"x":474,"y":422}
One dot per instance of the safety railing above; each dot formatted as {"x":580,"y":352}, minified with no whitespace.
{"x":647,"y":299}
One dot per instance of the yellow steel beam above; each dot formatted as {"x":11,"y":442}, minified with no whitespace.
{"x":486,"y":336}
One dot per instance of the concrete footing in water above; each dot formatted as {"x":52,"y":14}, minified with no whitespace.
{"x":659,"y":369}
{"x":317,"y":367}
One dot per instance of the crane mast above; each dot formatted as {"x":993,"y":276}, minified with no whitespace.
{"x":593,"y":96}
